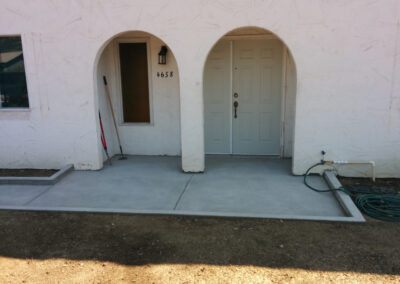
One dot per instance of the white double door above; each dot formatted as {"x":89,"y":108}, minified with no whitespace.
{"x":242,"y":97}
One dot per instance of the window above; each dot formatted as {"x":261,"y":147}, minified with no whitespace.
{"x":134,"y":81}
{"x":13,"y":90}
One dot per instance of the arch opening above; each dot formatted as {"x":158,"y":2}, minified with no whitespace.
{"x":144,"y":95}
{"x":249,"y":92}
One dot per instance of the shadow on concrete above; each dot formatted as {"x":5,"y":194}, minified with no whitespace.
{"x":371,"y":247}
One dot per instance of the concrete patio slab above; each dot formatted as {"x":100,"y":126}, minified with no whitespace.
{"x":20,"y":195}
{"x":256,"y":186}
{"x":142,"y":183}
{"x":231,"y":186}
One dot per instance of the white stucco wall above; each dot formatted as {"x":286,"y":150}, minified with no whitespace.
{"x":346,"y":55}
{"x":289,"y":90}
{"x":162,"y":135}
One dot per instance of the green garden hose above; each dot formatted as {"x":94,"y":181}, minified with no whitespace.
{"x":379,"y":203}
{"x":379,"y":206}
{"x":311,"y":187}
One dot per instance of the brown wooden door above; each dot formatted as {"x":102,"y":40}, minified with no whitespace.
{"x":134,"y":82}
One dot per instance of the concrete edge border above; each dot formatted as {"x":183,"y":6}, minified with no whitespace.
{"x":38,"y":180}
{"x":345,"y":201}
{"x":179,"y":213}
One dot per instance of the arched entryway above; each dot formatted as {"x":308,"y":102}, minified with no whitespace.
{"x":249,"y":92}
{"x":143,"y":81}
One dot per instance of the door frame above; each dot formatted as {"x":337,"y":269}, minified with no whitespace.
{"x":231,"y":96}
{"x":231,"y":39}
{"x":118,"y":83}
{"x":283,"y":99}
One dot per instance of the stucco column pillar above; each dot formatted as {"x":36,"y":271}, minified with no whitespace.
{"x":192,"y":125}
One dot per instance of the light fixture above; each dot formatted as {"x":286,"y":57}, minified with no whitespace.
{"x":162,"y":55}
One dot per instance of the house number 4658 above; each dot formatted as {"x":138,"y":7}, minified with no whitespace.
{"x":165,"y":74}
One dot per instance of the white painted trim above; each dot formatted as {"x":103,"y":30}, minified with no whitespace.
{"x":231,"y":97}
{"x":283,"y":99}
{"x":15,"y":109}
{"x":28,"y":68}
{"x":118,"y":88}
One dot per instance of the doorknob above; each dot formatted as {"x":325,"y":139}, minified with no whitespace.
{"x":235,"y":104}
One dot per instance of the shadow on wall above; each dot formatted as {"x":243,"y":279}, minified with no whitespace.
{"x":142,"y":240}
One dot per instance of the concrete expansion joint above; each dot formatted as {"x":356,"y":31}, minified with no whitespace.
{"x":37,"y":196}
{"x":183,"y":191}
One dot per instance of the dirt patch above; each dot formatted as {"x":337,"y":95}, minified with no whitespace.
{"x":105,"y":248}
{"x":27,"y":172}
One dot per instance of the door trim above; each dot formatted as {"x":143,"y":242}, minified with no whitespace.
{"x":118,"y":84}
{"x":283,"y":101}
{"x":231,"y":97}
{"x":231,"y":40}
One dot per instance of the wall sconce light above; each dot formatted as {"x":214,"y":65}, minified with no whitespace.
{"x":162,"y":55}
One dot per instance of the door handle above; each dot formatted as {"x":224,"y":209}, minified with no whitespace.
{"x":235,"y":105}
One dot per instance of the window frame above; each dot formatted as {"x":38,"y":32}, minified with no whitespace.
{"x":27,"y":79}
{"x":118,"y":83}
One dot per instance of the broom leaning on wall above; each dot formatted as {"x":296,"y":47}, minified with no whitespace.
{"x":103,"y":139}
{"x":122,"y":157}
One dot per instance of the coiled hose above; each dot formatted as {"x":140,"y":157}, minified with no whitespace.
{"x":378,"y":203}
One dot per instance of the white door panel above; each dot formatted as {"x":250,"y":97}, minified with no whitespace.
{"x":257,"y":72}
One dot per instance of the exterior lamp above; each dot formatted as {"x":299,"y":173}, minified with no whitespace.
{"x":162,"y":55}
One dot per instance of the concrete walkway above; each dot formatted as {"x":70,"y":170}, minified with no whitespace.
{"x":231,"y":186}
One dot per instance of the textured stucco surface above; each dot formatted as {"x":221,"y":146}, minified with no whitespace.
{"x":162,"y":135}
{"x":347,"y":63}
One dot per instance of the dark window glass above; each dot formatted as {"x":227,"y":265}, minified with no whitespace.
{"x":13,"y":90}
{"x":135,"y":82}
